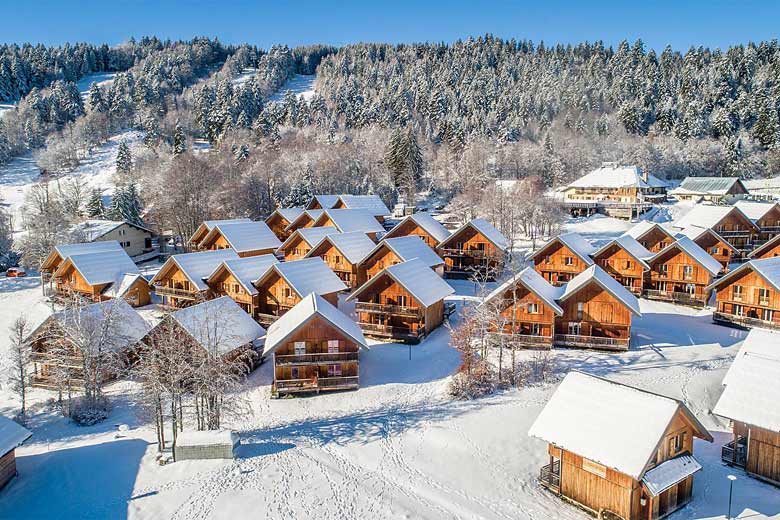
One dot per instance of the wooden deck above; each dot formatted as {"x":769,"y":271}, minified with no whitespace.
{"x":743,"y":322}
{"x":594,"y":342}
{"x":314,"y":385}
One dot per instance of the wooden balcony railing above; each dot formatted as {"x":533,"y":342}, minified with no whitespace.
{"x":523,"y":339}
{"x":314,"y":358}
{"x":52,"y":383}
{"x":185,"y":294}
{"x":316,"y":384}
{"x":392,"y":332}
{"x":379,"y":308}
{"x":550,"y":476}
{"x":744,"y":321}
{"x":473,"y":253}
{"x":734,"y":233}
{"x":598,"y":342}
{"x":680,"y":297}
{"x":335,"y":382}
{"x":734,"y":453}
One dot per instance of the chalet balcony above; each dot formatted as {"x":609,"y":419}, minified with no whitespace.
{"x":43,"y":358}
{"x":52,"y":383}
{"x":387,"y":331}
{"x":723,"y":318}
{"x":292,"y":386}
{"x":734,"y":233}
{"x":315,"y":358}
{"x":183,"y":294}
{"x":398,"y":310}
{"x":526,"y":340}
{"x":596,"y":342}
{"x":734,"y":453}
{"x":681,"y":297}
{"x":472,"y":253}
{"x":265,"y":319}
{"x":550,"y":476}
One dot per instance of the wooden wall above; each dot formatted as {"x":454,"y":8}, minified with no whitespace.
{"x":225,"y":284}
{"x":655,"y":240}
{"x":410,"y":228}
{"x":373,"y":265}
{"x":770,"y":252}
{"x":676,"y":260}
{"x":272,"y":295}
{"x":716,"y":248}
{"x":296,"y":249}
{"x":7,"y":467}
{"x":517,"y":310}
{"x":750,"y":283}
{"x":339,"y":264}
{"x":603,"y":315}
{"x":764,"y":454}
{"x":469,"y":239}
{"x":278,"y":225}
{"x":623,"y":267}
{"x":550,"y":262}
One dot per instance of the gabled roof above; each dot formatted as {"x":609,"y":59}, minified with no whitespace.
{"x":696,"y":232}
{"x":245,"y":236}
{"x":752,"y":383}
{"x":534,"y":282}
{"x":598,"y":275}
{"x":669,"y":473}
{"x":644,"y":227}
{"x":707,"y":185}
{"x":311,"y":235}
{"x":574,"y":242}
{"x":766,"y":246}
{"x":310,"y":307}
{"x":12,"y":434}
{"x":219,"y":324}
{"x":614,"y":176}
{"x":483,"y":227}
{"x":65,"y":250}
{"x":93,"y":229}
{"x":119,"y":289}
{"x":288,"y":214}
{"x":612,"y":424}
{"x":246,"y":270}
{"x":354,"y":246}
{"x":347,"y":220}
{"x":407,"y":248}
{"x":755,"y":210}
{"x":425,"y":286}
{"x":429,"y":224}
{"x":312,"y":214}
{"x":630,"y":245}
{"x":371,"y":203}
{"x":197,"y":266}
{"x":693,"y":250}
{"x":208,"y":225}
{"x":703,"y":215}
{"x":766,"y":268}
{"x":305,"y":276}
{"x":325,"y":201}
{"x":103,"y":267}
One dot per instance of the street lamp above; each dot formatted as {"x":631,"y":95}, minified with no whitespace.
{"x":731,"y":478}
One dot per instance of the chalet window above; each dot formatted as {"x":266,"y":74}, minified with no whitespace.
{"x":662,"y":244}
{"x":739,"y":310}
{"x":690,"y":289}
{"x":629,"y":264}
{"x":763,"y":296}
{"x":536,"y":329}
{"x":337,"y":259}
{"x":677,"y":443}
{"x":714,"y":250}
{"x":480,"y":246}
{"x":295,"y":373}
{"x":767,"y":314}
{"x":334,"y":370}
{"x":575,"y":328}
{"x":579,"y":310}
{"x":533,"y":308}
{"x":287,"y":292}
{"x":568,"y":260}
{"x":236,"y":288}
{"x":663,"y":269}
{"x":333,"y":346}
{"x":736,"y":293}
{"x":300,"y":348}
{"x":547,"y":259}
{"x":687,"y":272}
{"x":401,"y":299}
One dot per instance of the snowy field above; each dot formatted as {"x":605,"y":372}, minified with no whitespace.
{"x":302,"y":85}
{"x":399,"y":447}
{"x":103,"y":79}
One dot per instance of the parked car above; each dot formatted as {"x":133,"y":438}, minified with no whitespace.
{"x":15,"y":272}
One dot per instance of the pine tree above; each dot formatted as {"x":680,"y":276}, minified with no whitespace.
{"x":95,"y":207}
{"x":179,"y":140}
{"x":404,"y":159}
{"x":95,"y":96}
{"x":124,"y":160}
{"x":126,"y":204}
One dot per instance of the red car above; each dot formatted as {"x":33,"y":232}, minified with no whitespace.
{"x":15,"y":272}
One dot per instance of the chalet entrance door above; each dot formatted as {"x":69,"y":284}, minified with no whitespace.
{"x":575,"y":328}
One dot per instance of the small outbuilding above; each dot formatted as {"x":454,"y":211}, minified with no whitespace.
{"x":208,"y":444}
{"x":12,"y":435}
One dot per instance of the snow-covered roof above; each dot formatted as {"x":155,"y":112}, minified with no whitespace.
{"x":247,"y":270}
{"x":755,"y":210}
{"x":703,"y":215}
{"x":669,"y":473}
{"x":429,"y":224}
{"x":693,"y":250}
{"x":752,"y":384}
{"x":312,"y":214}
{"x":644,"y":227}
{"x":325,"y":201}
{"x":409,"y":247}
{"x":631,"y":246}
{"x":766,"y":246}
{"x":347,"y":220}
{"x":198,"y":266}
{"x":311,"y":235}
{"x":119,"y":289}
{"x":483,"y":227}
{"x":613,"y":424}
{"x":534,"y":282}
{"x":706,"y":185}
{"x":575,"y":243}
{"x":194,"y":438}
{"x":615,"y":176}
{"x":219,"y":324}
{"x":95,"y":228}
{"x":311,"y":306}
{"x":598,"y":275}
{"x":288,"y":214}
{"x":308,"y":275}
{"x":371,"y":203}
{"x":102,"y":267}
{"x":354,"y":246}
{"x":425,"y":286}
{"x":245,"y":236}
{"x":766,"y":268}
{"x":12,"y":434}
{"x":771,"y":183}
{"x":67,"y":250}
{"x":695,"y":232}
{"x":207,"y":225}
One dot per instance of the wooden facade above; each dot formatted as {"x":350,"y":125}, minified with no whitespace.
{"x":296,"y":247}
{"x":621,"y":265}
{"x":718,"y":248}
{"x":557,"y":263}
{"x":409,"y":227}
{"x":224,"y":283}
{"x":276,"y":297}
{"x":468,"y":252}
{"x":655,"y":239}
{"x":372,"y":265}
{"x":756,"y":450}
{"x":347,"y":271}
{"x":526,"y":318}
{"x":175,"y":288}
{"x":7,"y":468}
{"x":593,"y":318}
{"x":304,"y":220}
{"x":216,"y":240}
{"x":746,"y":299}
{"x":738,"y":229}
{"x":278,"y":223}
{"x":769,"y":224}
{"x":769,"y":249}
{"x":69,"y":281}
{"x":677,"y":277}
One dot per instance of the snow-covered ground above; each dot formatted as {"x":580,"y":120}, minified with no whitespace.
{"x":302,"y":85}
{"x":103,"y":79}
{"x":244,"y":76}
{"x":6,"y":107}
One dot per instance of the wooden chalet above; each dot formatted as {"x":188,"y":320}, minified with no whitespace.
{"x":597,"y":312}
{"x":424,"y":226}
{"x":245,"y":238}
{"x":749,"y":296}
{"x":57,"y":358}
{"x":180,"y":282}
{"x":476,"y":248}
{"x":715,"y":245}
{"x":12,"y":435}
{"x":625,"y":260}
{"x":391,"y":251}
{"x":134,"y":238}
{"x":206,"y":227}
{"x":235,"y":279}
{"x":616,"y":190}
{"x":711,"y":189}
{"x":403,"y":302}
{"x":371,"y":203}
{"x":749,"y":399}
{"x":287,"y":283}
{"x":769,"y":249}
{"x":302,"y":240}
{"x":304,"y":220}
{"x":323,"y":202}
{"x":100,"y":276}
{"x":651,"y":235}
{"x":618,"y":451}
{"x":315,"y":348}
{"x":563,"y":258}
{"x":681,"y":273}
{"x":525,"y":308}
{"x":343,"y":252}
{"x":280,"y":219}
{"x":349,"y":220}
{"x":61,"y":252}
{"x":727,"y":221}
{"x":765,"y":215}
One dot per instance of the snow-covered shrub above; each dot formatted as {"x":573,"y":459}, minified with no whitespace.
{"x":87,"y":412}
{"x":537,"y":370}
{"x":474,"y":381}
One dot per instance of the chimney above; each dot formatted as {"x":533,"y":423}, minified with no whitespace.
{"x":642,"y":173}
